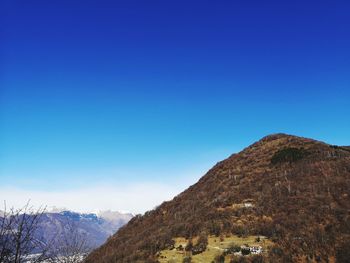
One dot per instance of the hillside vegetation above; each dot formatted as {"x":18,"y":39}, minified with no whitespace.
{"x":293,"y":191}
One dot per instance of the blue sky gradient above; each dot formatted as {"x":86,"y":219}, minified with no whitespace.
{"x":140,"y":91}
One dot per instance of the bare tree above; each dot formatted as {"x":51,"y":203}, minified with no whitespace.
{"x":18,"y":242}
{"x":5,"y":240}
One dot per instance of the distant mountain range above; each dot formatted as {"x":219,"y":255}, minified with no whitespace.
{"x":96,"y":227}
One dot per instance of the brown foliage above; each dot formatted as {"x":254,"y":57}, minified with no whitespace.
{"x":302,"y":205}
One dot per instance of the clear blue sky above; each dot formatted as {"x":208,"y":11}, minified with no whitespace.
{"x":130,"y":91}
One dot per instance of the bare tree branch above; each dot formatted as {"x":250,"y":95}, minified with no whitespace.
{"x":18,"y":241}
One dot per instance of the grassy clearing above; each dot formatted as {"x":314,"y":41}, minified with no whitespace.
{"x":215,"y":247}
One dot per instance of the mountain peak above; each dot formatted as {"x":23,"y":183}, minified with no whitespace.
{"x":282,"y":137}
{"x":287,"y":189}
{"x":279,"y":141}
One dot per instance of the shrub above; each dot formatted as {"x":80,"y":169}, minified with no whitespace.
{"x":201,"y":244}
{"x":180,"y":248}
{"x":187,"y":259}
{"x":245,"y":251}
{"x":233,"y":248}
{"x":219,"y":259}
{"x":189,"y":245}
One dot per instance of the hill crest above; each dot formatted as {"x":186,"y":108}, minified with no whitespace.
{"x":298,"y":195}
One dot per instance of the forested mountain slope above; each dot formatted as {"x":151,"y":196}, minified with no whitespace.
{"x":292,"y":190}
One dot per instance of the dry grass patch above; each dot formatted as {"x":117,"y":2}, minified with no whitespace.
{"x":216,"y":246}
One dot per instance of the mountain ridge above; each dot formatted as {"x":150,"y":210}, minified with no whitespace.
{"x":298,"y":192}
{"x":96,"y":228}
